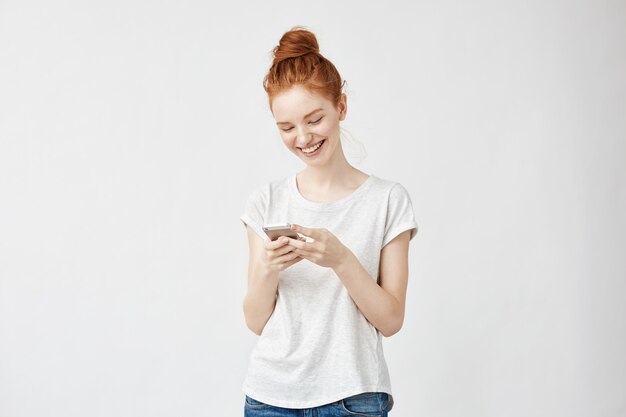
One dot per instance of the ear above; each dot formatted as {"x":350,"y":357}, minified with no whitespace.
{"x":343,"y":106}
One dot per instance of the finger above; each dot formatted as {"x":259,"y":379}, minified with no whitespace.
{"x":288,"y":264}
{"x":281,"y":251}
{"x":302,"y":253}
{"x":307,"y":231}
{"x":300,"y":244}
{"x":275,"y":253}
{"x":274,"y":244}
{"x":285,"y":258}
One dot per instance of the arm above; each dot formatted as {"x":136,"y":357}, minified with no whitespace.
{"x":266,"y":260}
{"x":260,"y":299}
{"x":382,"y":305}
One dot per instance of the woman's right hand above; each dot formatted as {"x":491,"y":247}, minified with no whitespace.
{"x":279,"y":255}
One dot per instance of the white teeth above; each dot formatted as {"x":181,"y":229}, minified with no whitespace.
{"x":312,"y":148}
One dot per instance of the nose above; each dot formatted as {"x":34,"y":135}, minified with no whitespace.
{"x":303,"y":138}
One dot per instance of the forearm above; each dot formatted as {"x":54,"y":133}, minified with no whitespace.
{"x":260,"y":299}
{"x":379,"y":307}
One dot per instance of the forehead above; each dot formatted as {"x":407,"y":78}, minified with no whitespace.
{"x":294,"y":103}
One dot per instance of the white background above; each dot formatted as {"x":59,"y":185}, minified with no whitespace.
{"x":131,"y":133}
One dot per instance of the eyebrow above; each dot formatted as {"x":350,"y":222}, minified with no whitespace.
{"x":305,"y":116}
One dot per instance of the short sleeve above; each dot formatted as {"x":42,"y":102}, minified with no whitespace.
{"x":254,"y":212}
{"x":400,"y":216}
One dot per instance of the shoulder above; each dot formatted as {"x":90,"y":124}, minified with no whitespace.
{"x":264,"y":191}
{"x":390,"y":188}
{"x":398,"y":211}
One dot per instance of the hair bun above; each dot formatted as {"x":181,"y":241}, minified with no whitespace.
{"x":296,"y":42}
{"x":297,"y":61}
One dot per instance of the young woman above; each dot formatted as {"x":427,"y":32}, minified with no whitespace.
{"x":322,"y":302}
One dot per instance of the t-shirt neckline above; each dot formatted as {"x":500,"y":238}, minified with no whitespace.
{"x":329,"y":205}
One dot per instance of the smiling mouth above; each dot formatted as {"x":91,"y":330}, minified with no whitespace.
{"x":318,"y":144}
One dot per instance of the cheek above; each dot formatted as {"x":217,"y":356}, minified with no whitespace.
{"x":287,"y":138}
{"x":289,"y":141}
{"x":325,"y":129}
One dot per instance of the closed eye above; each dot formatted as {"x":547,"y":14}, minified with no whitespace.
{"x":313,"y":123}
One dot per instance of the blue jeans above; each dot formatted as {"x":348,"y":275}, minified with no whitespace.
{"x":367,"y":404}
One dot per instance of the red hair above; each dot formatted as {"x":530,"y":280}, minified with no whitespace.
{"x":297,"y":61}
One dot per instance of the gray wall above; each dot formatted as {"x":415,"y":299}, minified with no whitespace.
{"x":131,"y":133}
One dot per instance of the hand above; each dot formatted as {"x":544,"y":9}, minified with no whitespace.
{"x":279,"y":254}
{"x":326,"y":250}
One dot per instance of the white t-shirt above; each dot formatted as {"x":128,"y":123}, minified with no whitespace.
{"x":317,"y":347}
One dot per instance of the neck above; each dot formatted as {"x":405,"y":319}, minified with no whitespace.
{"x":336,"y":171}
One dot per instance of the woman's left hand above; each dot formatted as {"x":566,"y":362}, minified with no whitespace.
{"x":325,"y":250}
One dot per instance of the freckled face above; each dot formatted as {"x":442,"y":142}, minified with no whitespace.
{"x":307,"y":120}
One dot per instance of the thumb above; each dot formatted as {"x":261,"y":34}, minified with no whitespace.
{"x":307,"y":231}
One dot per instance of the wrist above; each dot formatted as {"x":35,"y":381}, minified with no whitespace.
{"x":268,"y":273}
{"x":264,"y":273}
{"x":346,"y":262}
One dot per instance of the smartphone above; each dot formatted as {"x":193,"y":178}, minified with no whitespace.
{"x":277,"y":230}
